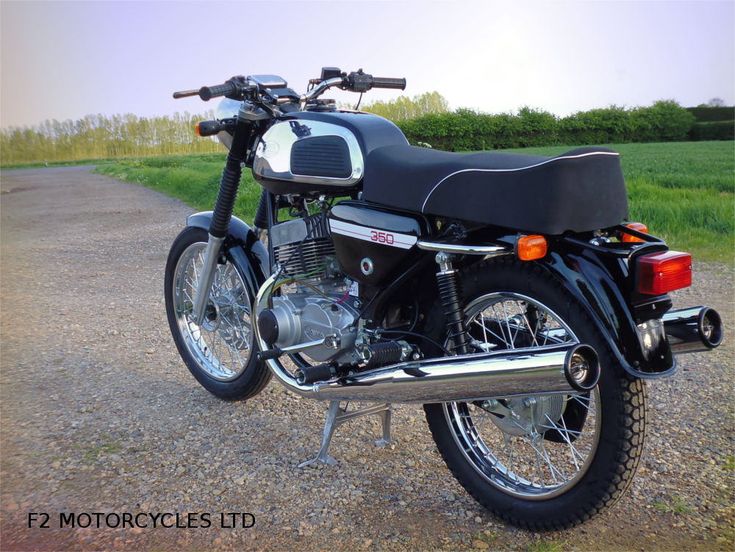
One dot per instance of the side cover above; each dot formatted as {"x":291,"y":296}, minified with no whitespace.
{"x":371,"y":242}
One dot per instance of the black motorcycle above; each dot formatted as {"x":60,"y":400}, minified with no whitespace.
{"x":504,"y":292}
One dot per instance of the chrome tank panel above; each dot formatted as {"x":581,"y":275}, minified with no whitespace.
{"x":273,"y":156}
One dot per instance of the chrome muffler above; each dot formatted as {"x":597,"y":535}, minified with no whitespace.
{"x":568,"y":368}
{"x":562,"y":369}
{"x":693,"y":330}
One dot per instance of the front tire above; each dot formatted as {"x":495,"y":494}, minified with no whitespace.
{"x":604,"y":444}
{"x":220,"y":353}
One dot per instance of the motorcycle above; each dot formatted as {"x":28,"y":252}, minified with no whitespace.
{"x":507,"y":293}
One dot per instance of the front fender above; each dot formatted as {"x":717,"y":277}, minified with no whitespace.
{"x":600,"y":284}
{"x":242,"y":245}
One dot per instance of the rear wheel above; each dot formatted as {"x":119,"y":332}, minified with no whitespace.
{"x":220,"y":352}
{"x":540,"y":462}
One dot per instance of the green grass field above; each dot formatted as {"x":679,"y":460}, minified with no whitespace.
{"x":683,"y":191}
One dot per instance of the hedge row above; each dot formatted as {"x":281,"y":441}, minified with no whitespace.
{"x":717,"y":130}
{"x":706,"y":114}
{"x":464,"y":129}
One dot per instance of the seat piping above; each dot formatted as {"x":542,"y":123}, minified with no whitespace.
{"x":588,"y":154}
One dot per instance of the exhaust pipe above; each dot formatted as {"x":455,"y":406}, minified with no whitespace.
{"x":558,"y":369}
{"x":693,"y":330}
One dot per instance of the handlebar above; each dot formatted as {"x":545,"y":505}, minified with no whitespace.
{"x":357,"y":81}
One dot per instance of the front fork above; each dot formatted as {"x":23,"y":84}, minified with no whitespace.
{"x":201,"y":295}
{"x":221,"y":216}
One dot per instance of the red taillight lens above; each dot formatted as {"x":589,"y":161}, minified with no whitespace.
{"x":660,"y":273}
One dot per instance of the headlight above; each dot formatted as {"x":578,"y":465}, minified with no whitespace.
{"x":227,"y":109}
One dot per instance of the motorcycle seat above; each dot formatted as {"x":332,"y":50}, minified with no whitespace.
{"x":578,"y":191}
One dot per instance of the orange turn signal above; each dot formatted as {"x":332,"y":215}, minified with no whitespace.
{"x":530,"y":248}
{"x":197,"y":130}
{"x":638,"y":226}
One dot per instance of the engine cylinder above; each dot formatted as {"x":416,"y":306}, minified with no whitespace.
{"x":303,"y":246}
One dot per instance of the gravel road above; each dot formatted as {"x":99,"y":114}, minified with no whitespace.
{"x":100,"y":415}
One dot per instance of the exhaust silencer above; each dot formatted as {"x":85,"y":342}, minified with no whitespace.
{"x":693,"y":330}
{"x":561,"y":369}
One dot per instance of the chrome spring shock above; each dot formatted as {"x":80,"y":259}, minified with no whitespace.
{"x":450,"y":293}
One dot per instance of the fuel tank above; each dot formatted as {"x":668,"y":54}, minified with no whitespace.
{"x":371,"y":242}
{"x":320,"y":152}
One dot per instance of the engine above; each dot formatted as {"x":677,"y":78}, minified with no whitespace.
{"x":315,"y":304}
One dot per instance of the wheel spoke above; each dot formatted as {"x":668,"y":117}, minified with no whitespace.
{"x":485,"y":329}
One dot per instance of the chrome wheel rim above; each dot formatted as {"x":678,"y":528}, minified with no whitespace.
{"x":222,"y":345}
{"x":528,"y":447}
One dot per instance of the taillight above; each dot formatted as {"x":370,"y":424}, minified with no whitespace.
{"x":662,"y":272}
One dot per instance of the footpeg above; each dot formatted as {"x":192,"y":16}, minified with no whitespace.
{"x":336,"y":416}
{"x":312,"y":374}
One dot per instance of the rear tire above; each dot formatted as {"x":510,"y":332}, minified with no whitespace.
{"x":611,"y":464}
{"x":232,"y":371}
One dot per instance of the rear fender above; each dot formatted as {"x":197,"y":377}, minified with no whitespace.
{"x":242,"y":246}
{"x":600,"y":283}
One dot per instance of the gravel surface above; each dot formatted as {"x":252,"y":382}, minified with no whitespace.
{"x":99,"y":414}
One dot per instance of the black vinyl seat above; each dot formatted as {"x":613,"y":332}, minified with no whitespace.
{"x":578,"y":191}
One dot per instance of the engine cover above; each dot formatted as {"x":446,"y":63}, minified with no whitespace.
{"x":302,"y":317}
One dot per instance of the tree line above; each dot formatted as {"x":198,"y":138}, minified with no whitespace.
{"x":103,"y":136}
{"x":425,"y":119}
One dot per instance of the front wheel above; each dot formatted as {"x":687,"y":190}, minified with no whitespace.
{"x":220,"y":352}
{"x":540,"y":462}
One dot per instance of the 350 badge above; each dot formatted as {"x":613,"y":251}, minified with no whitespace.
{"x":382,"y":237}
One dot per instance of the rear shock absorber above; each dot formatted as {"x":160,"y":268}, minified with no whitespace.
{"x":450,"y":293}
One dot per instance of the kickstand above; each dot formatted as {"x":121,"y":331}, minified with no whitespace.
{"x":336,"y":416}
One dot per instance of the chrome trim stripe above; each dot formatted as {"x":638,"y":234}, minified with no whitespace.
{"x":493,"y":250}
{"x":517,"y":169}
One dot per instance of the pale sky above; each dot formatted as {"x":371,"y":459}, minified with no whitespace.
{"x":67,"y":59}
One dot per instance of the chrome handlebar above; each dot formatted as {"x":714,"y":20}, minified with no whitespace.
{"x":322,"y":87}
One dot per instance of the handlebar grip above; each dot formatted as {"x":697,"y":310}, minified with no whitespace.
{"x":385,"y":82}
{"x":206,"y":93}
